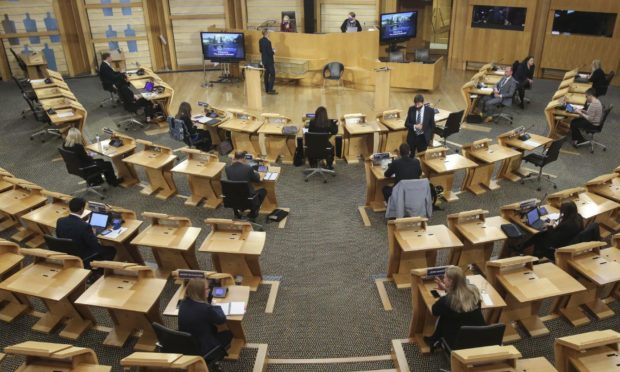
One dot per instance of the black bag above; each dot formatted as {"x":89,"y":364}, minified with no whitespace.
{"x":512,"y":231}
{"x":474,"y":119}
{"x":298,"y":160}
{"x":225,"y":147}
{"x":277,"y":215}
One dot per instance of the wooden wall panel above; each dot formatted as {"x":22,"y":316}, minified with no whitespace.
{"x":333,"y":13}
{"x":262,"y":10}
{"x":178,"y":7}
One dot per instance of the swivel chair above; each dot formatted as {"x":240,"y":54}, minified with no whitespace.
{"x":603,"y":89}
{"x":541,"y":160}
{"x":317,"y":147}
{"x":111,"y":89}
{"x":333,"y":71}
{"x":69,"y":247}
{"x":592,"y":131}
{"x":453,"y":125}
{"x":92,"y":174}
{"x":129,"y":121}
{"x":239,"y":197}
{"x":40,"y":115}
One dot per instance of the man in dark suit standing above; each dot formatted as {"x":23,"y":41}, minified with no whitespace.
{"x":403,"y":168}
{"x":266,"y":53}
{"x":420,"y":123}
{"x":108,"y":76}
{"x":74,"y":228}
{"x":240,"y":171}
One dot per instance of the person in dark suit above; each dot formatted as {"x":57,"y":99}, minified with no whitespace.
{"x":240,"y":171}
{"x":420,"y":123}
{"x":461,"y":306}
{"x":525,"y":77}
{"x":502,"y":93}
{"x":351,"y":24}
{"x":106,"y":73}
{"x":322,"y":124}
{"x":597,"y":77}
{"x":74,"y":228}
{"x":266,"y":54}
{"x":133,"y":102}
{"x":200,"y":319}
{"x":403,"y":168}
{"x":74,"y":143}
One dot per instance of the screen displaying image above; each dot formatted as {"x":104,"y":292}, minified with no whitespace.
{"x":571,"y":22}
{"x":223,"y":46}
{"x":500,"y":17}
{"x":398,"y":26}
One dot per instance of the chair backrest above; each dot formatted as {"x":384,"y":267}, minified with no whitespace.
{"x":72,"y":162}
{"x":422,"y":54}
{"x":176,"y":129}
{"x":553,"y":151}
{"x":36,"y":108}
{"x":20,"y":61}
{"x":478,"y":336}
{"x":61,"y":245}
{"x":317,"y":145}
{"x":453,"y":123}
{"x":176,"y":342}
{"x":515,"y":66}
{"x":591,"y":233}
{"x":238,"y":195}
{"x":335,"y":69}
{"x":606,"y":112}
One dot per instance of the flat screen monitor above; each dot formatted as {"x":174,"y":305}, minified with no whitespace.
{"x":223,"y":46}
{"x":397,"y":27}
{"x":572,"y":22}
{"x":499,"y":17}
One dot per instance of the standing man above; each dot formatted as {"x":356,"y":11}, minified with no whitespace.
{"x":588,"y":119}
{"x":266,"y":53}
{"x":106,"y":73}
{"x":351,"y":24}
{"x":502,"y":93}
{"x":420,"y":124}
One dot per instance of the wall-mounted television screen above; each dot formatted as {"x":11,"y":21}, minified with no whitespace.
{"x":572,"y":22}
{"x":223,"y":46}
{"x":397,"y":27}
{"x":500,"y":17}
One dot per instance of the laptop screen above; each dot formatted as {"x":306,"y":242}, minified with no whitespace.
{"x":533,"y":216}
{"x":149,"y":86}
{"x":99,"y":219}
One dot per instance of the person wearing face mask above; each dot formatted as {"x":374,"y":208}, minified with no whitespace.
{"x":351,"y":24}
{"x":420,"y":124}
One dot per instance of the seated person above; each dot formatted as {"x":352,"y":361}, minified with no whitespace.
{"x":557,"y":235}
{"x":200,"y":138}
{"x":287,"y":25}
{"x":74,"y":143}
{"x":322,"y":124}
{"x":502,"y":93}
{"x":588,"y":119}
{"x":525,"y":76}
{"x":200,"y":319}
{"x":597,"y":77}
{"x":403,"y":168}
{"x":133,"y":102}
{"x":240,"y":171}
{"x":459,"y":307}
{"x":74,"y":228}
{"x":107,"y":74}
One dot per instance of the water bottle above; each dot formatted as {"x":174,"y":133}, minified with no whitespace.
{"x":98,"y":140}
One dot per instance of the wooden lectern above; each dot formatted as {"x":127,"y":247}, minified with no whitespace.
{"x":253,"y":94}
{"x":382,"y":88}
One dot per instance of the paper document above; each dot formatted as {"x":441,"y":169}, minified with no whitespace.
{"x":237,"y":308}
{"x":35,"y":81}
{"x":130,"y":72}
{"x":116,"y":233}
{"x":65,"y":114}
{"x":271,"y":176}
{"x":553,"y":216}
{"x":531,"y":143}
{"x":577,"y":107}
{"x":486,"y":299}
{"x":148,"y":95}
{"x":225,"y":307}
{"x":486,"y":89}
{"x":201,"y":119}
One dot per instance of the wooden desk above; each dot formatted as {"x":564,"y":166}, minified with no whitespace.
{"x":45,"y":356}
{"x":10,"y":263}
{"x":478,"y":234}
{"x":271,"y":201}
{"x":157,"y":162}
{"x":56,"y":279}
{"x":524,"y":287}
{"x":52,"y":82}
{"x":55,"y":92}
{"x":243,"y":129}
{"x":235,"y":249}
{"x":204,"y":172}
{"x":423,"y":322}
{"x":19,"y":200}
{"x":274,"y":144}
{"x":130,"y":293}
{"x":413,"y":245}
{"x":4,"y":185}
{"x":217,"y":134}
{"x":513,"y":213}
{"x":173,"y":241}
{"x":496,"y":358}
{"x":440,"y":167}
{"x":558,"y":120}
{"x":606,"y":185}
{"x":163,"y":98}
{"x":236,"y":293}
{"x":361,"y":139}
{"x":36,"y":65}
{"x":125,"y":251}
{"x":147,"y":362}
{"x":598,"y":274}
{"x":57,"y":103}
{"x":588,"y":352}
{"x":590,"y":206}
{"x":511,"y":167}
{"x":54,"y":74}
{"x":116,"y":155}
{"x":375,"y":181}
{"x":397,"y":132}
{"x":478,"y":179}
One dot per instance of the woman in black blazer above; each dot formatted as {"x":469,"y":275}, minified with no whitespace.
{"x":322,"y":124}
{"x":75,"y":143}
{"x":200,"y":319}
{"x":459,"y":307}
{"x":597,"y":77}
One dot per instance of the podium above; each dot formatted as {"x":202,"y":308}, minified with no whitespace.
{"x":253,"y":94}
{"x":382,"y":88}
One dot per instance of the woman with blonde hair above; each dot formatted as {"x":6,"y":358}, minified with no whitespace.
{"x":74,"y":142}
{"x":200,"y":319}
{"x":459,"y":307}
{"x":597,"y":77}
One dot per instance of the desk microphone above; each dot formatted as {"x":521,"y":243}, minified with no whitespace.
{"x":525,"y":136}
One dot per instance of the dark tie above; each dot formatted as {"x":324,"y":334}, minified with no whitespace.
{"x":418,"y":118}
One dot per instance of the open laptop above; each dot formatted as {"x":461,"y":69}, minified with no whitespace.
{"x":99,"y":221}
{"x":534,"y":220}
{"x":148,"y":87}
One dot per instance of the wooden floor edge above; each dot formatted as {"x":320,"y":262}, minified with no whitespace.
{"x":260,"y":364}
{"x":282,"y":223}
{"x":374,"y":358}
{"x":398,"y":355}
{"x":273,"y":293}
{"x":364,"y":215}
{"x":385,"y":299}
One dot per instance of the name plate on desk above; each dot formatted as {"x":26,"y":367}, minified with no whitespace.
{"x":191,"y":274}
{"x":433,"y":272}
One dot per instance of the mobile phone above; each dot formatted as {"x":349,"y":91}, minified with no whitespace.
{"x":435,"y":293}
{"x":106,"y":232}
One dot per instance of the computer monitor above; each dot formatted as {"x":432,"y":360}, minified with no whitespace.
{"x":223,"y":46}
{"x":99,"y":219}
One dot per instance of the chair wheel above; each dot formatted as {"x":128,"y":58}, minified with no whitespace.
{"x":555,"y":187}
{"x":32,"y":138}
{"x":101,"y":105}
{"x":592,"y":152}
{"x":538,"y":189}
{"x":306,"y":180}
{"x":604,"y":149}
{"x":325,"y":181}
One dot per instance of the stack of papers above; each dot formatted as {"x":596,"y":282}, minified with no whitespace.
{"x":148,"y":95}
{"x":271,"y":176}
{"x":486,"y":299}
{"x":130,"y":72}
{"x":115,"y":233}
{"x":232,"y":308}
{"x":201,"y":119}
{"x":531,"y":143}
{"x":65,"y":114}
{"x":486,"y":89}
{"x":37,"y":81}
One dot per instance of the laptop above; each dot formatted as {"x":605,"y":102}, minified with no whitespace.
{"x":149,"y":86}
{"x":99,"y":221}
{"x":533,"y":219}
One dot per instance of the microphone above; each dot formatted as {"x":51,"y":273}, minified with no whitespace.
{"x":524,"y":136}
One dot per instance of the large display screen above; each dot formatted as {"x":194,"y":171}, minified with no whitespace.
{"x":500,"y":17}
{"x":572,"y":22}
{"x":223,"y":46}
{"x":398,"y":26}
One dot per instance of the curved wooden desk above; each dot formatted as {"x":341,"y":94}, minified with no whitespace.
{"x":45,"y":356}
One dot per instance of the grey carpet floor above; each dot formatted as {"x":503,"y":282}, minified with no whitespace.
{"x":326,"y":260}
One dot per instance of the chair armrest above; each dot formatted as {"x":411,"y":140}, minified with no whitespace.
{"x":90,"y":169}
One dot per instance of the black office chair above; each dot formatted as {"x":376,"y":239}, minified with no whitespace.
{"x":541,"y":160}
{"x":333,"y":71}
{"x":317,"y":147}
{"x":91,"y":174}
{"x":69,"y":247}
{"x":130,"y":122}
{"x":20,"y":62}
{"x":476,"y":336}
{"x":501,"y":112}
{"x":592,"y":131}
{"x":591,"y":233}
{"x":111,"y":89}
{"x":603,"y":89}
{"x":423,"y":55}
{"x":453,"y":125}
{"x":177,"y":342}
{"x":40,"y":115}
{"x":238,"y":196}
